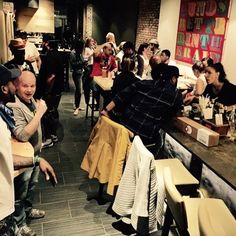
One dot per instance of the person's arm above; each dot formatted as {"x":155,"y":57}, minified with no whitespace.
{"x":24,"y":162}
{"x":23,"y":130}
{"x":34,"y":123}
{"x":108,"y":108}
{"x":140,"y":66}
{"x":121,"y":98}
{"x":99,"y":48}
{"x":39,"y":62}
{"x":200,"y":87}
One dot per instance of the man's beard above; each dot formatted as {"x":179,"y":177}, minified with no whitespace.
{"x":10,"y":97}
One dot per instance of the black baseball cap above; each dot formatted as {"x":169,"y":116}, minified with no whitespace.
{"x":7,"y":75}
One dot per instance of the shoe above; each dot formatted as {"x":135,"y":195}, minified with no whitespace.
{"x":76,"y":112}
{"x":54,"y":138}
{"x":36,"y":214}
{"x":25,"y":231}
{"x":48,"y":143}
{"x":126,"y":229}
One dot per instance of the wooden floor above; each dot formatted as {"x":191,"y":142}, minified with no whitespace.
{"x":67,"y":210}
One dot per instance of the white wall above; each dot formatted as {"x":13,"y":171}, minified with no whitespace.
{"x":229,"y":52}
{"x":168,"y":24}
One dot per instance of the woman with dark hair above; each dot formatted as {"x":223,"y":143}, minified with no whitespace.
{"x":218,"y":87}
{"x":77,"y":65}
{"x":90,"y":45}
{"x":126,"y":77}
{"x":143,"y":61}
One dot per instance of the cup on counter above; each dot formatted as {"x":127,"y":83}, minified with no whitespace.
{"x":208,"y":113}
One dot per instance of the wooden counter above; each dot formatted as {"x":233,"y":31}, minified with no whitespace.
{"x":24,"y":149}
{"x":220,"y":159}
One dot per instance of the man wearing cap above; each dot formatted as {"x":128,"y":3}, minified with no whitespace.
{"x":17,"y":47}
{"x":154,"y":46}
{"x":7,"y":160}
{"x":151,"y":103}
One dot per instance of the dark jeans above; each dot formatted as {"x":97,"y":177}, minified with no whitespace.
{"x":50,"y":119}
{"x":86,"y":83}
{"x":8,"y":226}
{"x":25,"y":185}
{"x":77,"y":78}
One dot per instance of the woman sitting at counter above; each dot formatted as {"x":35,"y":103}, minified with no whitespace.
{"x":200,"y":85}
{"x":218,"y":87}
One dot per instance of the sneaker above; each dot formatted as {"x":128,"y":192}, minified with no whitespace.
{"x":76,"y":112}
{"x":48,"y":143}
{"x":25,"y":231}
{"x":36,"y":214}
{"x":54,"y":138}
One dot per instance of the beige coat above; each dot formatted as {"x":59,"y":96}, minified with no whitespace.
{"x":22,"y":117}
{"x":107,"y":150}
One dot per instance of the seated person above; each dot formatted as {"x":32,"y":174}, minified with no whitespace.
{"x":149,"y":103}
{"x":143,"y":61}
{"x":200,"y":85}
{"x":126,"y":77}
{"x":218,"y":87}
{"x":121,"y":81}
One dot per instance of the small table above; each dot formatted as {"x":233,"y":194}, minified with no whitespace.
{"x":105,"y":84}
{"x":24,"y":149}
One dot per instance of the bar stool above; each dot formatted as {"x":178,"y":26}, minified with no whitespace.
{"x":184,"y":210}
{"x":185,"y":182}
{"x":216,"y":219}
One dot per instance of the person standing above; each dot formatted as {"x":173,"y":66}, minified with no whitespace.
{"x":7,"y":160}
{"x":27,"y":115}
{"x":77,"y":65}
{"x":51,"y":77}
{"x":17,"y":47}
{"x":31,"y":52}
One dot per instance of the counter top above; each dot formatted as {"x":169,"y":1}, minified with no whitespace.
{"x":221,"y":159}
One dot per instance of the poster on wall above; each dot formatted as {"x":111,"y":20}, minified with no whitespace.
{"x":201,"y":30}
{"x":175,"y":150}
{"x":215,"y":187}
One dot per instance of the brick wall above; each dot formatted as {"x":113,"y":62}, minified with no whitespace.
{"x":148,"y":20}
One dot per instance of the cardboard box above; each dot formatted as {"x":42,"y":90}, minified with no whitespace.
{"x":199,"y":132}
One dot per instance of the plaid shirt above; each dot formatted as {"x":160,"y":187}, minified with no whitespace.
{"x":148,"y":104}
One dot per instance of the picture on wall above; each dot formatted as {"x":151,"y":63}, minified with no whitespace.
{"x":215,"y":187}
{"x":201,"y":30}
{"x":175,"y":150}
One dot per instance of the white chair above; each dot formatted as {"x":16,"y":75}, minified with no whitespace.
{"x":184,"y":210}
{"x":216,"y":220}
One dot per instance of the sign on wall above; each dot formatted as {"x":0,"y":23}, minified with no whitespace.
{"x":201,"y":30}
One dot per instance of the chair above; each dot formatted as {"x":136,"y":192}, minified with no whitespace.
{"x":216,"y":220}
{"x":106,"y":154}
{"x":184,"y":210}
{"x":185,"y":182}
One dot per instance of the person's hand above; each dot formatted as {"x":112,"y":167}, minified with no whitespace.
{"x":47,"y":169}
{"x":104,"y":113}
{"x":31,"y":58}
{"x":41,"y":107}
{"x":188,"y":100}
